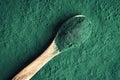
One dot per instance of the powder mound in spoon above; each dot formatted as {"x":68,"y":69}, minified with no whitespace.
{"x":73,"y":32}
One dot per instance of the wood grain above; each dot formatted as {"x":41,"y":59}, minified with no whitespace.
{"x":28,"y":72}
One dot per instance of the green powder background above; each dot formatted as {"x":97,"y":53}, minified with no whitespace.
{"x":28,"y":26}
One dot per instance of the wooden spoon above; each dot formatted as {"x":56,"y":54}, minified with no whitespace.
{"x":28,"y":72}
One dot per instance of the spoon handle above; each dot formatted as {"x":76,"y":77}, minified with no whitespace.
{"x":29,"y":71}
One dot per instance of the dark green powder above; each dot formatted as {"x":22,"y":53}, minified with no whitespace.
{"x":28,"y":26}
{"x":73,"y":32}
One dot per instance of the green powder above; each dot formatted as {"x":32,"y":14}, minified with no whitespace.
{"x":28,"y":26}
{"x":73,"y":32}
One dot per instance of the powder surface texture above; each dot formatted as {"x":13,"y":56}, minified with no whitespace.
{"x":27,"y":27}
